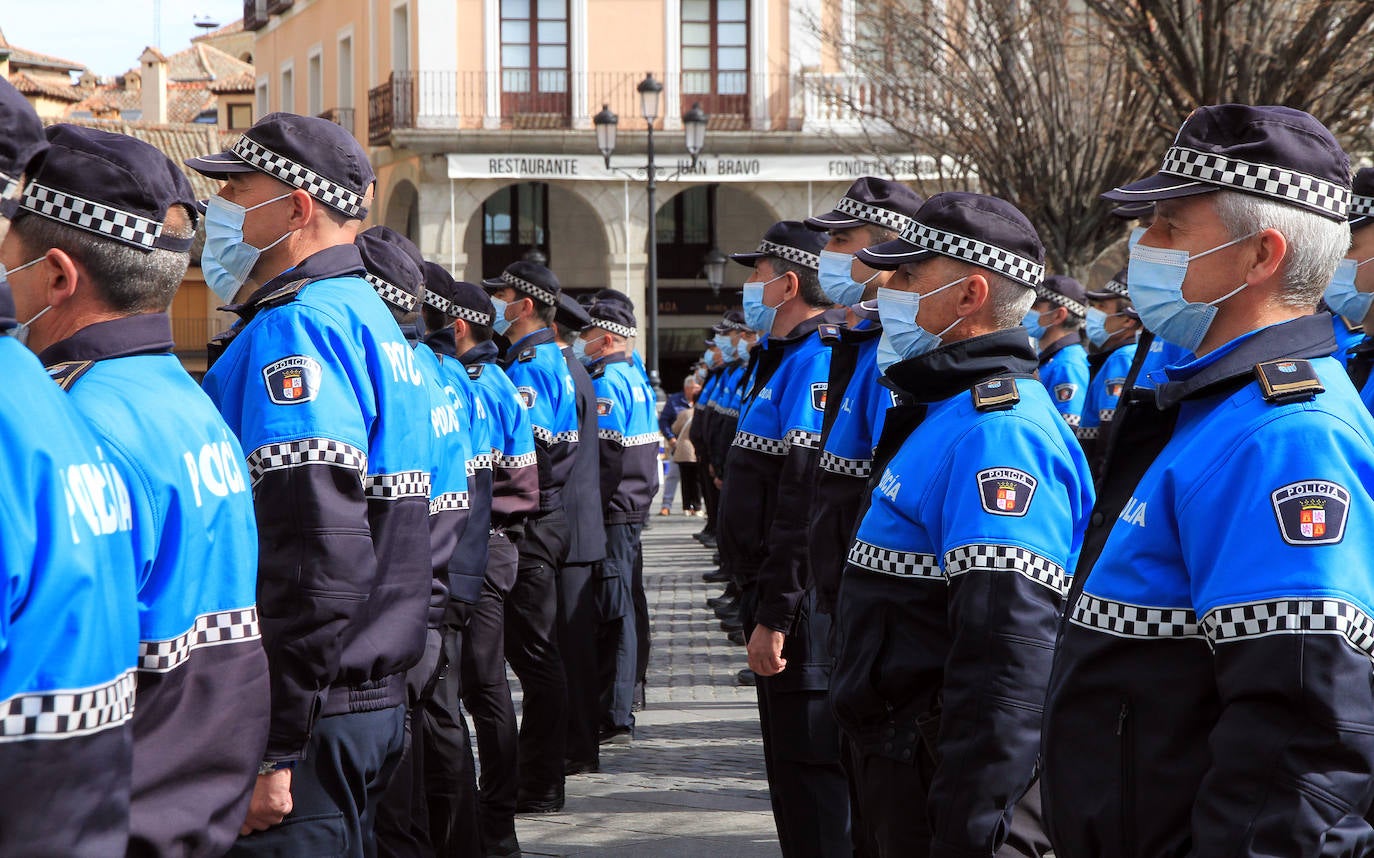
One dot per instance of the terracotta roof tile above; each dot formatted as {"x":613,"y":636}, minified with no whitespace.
{"x":29,"y":85}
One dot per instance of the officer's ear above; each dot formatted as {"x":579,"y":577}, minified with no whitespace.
{"x":1058,"y":316}
{"x":791,"y":286}
{"x":58,"y":276}
{"x":973,"y":295}
{"x":302,"y":209}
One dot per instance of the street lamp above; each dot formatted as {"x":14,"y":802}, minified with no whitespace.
{"x":714,"y":266}
{"x":694,"y":132}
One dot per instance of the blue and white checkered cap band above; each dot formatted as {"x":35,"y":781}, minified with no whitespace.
{"x":1025,"y":271}
{"x":325,"y":190}
{"x":614,"y":327}
{"x":1116,"y":287}
{"x":790,"y":254}
{"x":391,"y":293}
{"x":91,"y":216}
{"x":1361,"y":206}
{"x":448,"y":308}
{"x":735,"y":326}
{"x":539,"y":293}
{"x":1062,"y":300}
{"x":1288,"y":186}
{"x":894,"y":221}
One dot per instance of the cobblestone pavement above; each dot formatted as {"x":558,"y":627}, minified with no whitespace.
{"x":692,"y":782}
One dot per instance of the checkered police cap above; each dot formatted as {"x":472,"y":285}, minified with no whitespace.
{"x":1362,"y":197}
{"x":870,"y":200}
{"x":531,"y":278}
{"x":1113,"y":288}
{"x":1278,"y":153}
{"x":390,"y":271}
{"x":107,"y":184}
{"x":22,"y":140}
{"x":790,"y":241}
{"x":306,"y":152}
{"x":613,"y":316}
{"x":1066,"y":292}
{"x":457,"y":299}
{"x":733,"y":320}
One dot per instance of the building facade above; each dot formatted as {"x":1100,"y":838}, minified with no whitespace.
{"x":479,"y":118}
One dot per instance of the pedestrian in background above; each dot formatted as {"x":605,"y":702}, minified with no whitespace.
{"x":683,"y":453}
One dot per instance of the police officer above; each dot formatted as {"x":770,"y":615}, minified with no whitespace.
{"x":765,"y":505}
{"x":322,"y":392}
{"x":413,"y":820}
{"x":458,"y":320}
{"x":1112,"y":326}
{"x":629,"y":473}
{"x":71,"y":633}
{"x":947,"y":607}
{"x":525,"y":298}
{"x":1351,"y":291}
{"x":97,"y":297}
{"x":1055,"y":321}
{"x":1213,"y":656}
{"x":1347,"y":320}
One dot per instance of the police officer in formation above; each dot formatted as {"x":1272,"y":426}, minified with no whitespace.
{"x":1350,"y":295}
{"x":1055,"y":321}
{"x":1112,"y":327}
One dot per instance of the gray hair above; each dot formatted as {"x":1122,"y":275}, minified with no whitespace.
{"x":129,"y":280}
{"x":1316,"y":244}
{"x":808,"y":281}
{"x":1010,"y":300}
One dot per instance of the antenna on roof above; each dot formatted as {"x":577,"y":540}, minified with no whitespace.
{"x":206,"y":23}
{"x":157,"y":24}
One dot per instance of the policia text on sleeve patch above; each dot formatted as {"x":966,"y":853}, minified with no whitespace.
{"x":292,"y":380}
{"x":1006,"y":491}
{"x":1311,"y":512}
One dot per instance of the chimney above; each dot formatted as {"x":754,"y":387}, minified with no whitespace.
{"x":154,"y":86}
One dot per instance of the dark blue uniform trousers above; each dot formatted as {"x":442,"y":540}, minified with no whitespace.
{"x":619,"y":639}
{"x":577,"y":641}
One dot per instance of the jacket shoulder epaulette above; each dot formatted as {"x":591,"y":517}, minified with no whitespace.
{"x":995,"y":394}
{"x":285,"y":295}
{"x":527,"y":355}
{"x":67,"y":372}
{"x":475,"y":370}
{"x":830,"y":334}
{"x":1288,"y":380}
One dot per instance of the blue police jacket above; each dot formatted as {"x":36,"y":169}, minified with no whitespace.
{"x":1214,"y":660}
{"x":69,"y":642}
{"x":948,"y":606}
{"x":1104,"y":390}
{"x":1358,"y":367}
{"x":582,"y":501}
{"x":1347,"y":337}
{"x":1064,"y":372}
{"x":325,"y":397}
{"x":628,"y":438}
{"x":535,"y":365}
{"x":703,"y":417}
{"x":202,"y":671}
{"x":765,"y":505}
{"x":724,"y":420}
{"x":1155,"y":357}
{"x":459,"y":517}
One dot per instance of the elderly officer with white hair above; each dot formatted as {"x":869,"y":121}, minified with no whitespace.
{"x":1212,"y":691}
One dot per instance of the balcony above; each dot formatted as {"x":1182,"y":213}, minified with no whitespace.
{"x":448,"y":101}
{"x":254,"y":14}
{"x":341,"y":116}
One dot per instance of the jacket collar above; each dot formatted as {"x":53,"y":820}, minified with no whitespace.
{"x":1304,"y":338}
{"x":335,"y":261}
{"x":1059,"y":345}
{"x":143,"y":334}
{"x":442,"y":343}
{"x":954,"y":368}
{"x":480,"y":353}
{"x":807,"y":328}
{"x":533,"y":338}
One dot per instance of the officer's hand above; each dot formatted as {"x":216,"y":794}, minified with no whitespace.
{"x":765,"y":651}
{"x":271,"y":801}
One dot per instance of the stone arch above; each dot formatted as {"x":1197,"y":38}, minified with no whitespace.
{"x":578,"y":242}
{"x":403,"y":210}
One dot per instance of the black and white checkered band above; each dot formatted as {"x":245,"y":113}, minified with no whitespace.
{"x":548,"y":436}
{"x":614,"y":327}
{"x":1007,"y":558}
{"x":480,"y":462}
{"x":803,"y":438}
{"x":1291,"y":616}
{"x":65,"y":714}
{"x":390,"y":292}
{"x":98,"y":218}
{"x":1106,"y":415}
{"x":900,"y":564}
{"x":894,"y":221}
{"x":456,"y":311}
{"x":538,"y":293}
{"x":790,"y":254}
{"x":300,"y":176}
{"x":1072,"y":419}
{"x":737,"y":326}
{"x":1125,"y":620}
{"x":642,"y":440}
{"x":511,"y":463}
{"x":1116,"y":287}
{"x":1360,"y":206}
{"x":861,"y":468}
{"x":1289,"y":186}
{"x":760,"y":444}
{"x":449,"y":502}
{"x":1087,"y":433}
{"x":307,"y":451}
{"x":1079,"y":310}
{"x":1025,"y":271}
{"x":213,"y":629}
{"x":404,"y":484}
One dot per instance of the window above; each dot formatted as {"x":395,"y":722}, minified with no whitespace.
{"x":288,"y":89}
{"x":684,"y":230}
{"x":400,"y":38}
{"x":314,"y":84}
{"x":241,"y":116}
{"x":514,"y":220}
{"x":264,"y":107}
{"x":715,"y":55}
{"x":345,"y":72}
{"x":534,"y":57}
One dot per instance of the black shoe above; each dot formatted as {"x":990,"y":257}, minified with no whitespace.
{"x":726,"y":609}
{"x":707,"y":539}
{"x":715,"y":576}
{"x":617,"y":736}
{"x":551,"y":802}
{"x":506,"y":847}
{"x":715,"y":558}
{"x":746,"y":677}
{"x":737,"y":638}
{"x":715,"y":603}
{"x":581,"y":767}
{"x":731,"y":623}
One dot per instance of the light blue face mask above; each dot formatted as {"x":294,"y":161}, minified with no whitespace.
{"x":1344,"y":298}
{"x":499,"y":323}
{"x":1095,"y":325}
{"x":1032,"y":323}
{"x":837,"y":280}
{"x":902,"y":337}
{"x":1155,"y":277}
{"x":757,"y":314}
{"x":722,"y":342}
{"x":1135,"y":237}
{"x":228,"y":259}
{"x":579,"y":348}
{"x":727,"y":351}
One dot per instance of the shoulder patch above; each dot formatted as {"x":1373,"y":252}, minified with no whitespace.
{"x":527,"y":355}
{"x":995,"y":394}
{"x":604,"y":406}
{"x":475,"y":371}
{"x":1284,"y":381}
{"x":1312,"y":512}
{"x":1065,"y":392}
{"x":829,"y":333}
{"x":527,"y":396}
{"x":818,"y":395}
{"x":67,"y":372}
{"x":1006,"y":491}
{"x":1115,"y":386}
{"x":293,"y":380}
{"x":284,"y":295}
